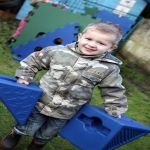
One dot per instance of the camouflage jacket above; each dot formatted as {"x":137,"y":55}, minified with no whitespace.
{"x":70,"y":79}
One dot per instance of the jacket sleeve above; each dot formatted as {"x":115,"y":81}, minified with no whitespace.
{"x":112,"y":92}
{"x":35,"y":62}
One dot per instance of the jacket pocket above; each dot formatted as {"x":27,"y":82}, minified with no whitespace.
{"x":92,"y":78}
{"x":57,"y":71}
{"x":88,"y":79}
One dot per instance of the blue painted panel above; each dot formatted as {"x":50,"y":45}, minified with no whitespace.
{"x":23,"y":12}
{"x":124,"y":22}
{"x":138,"y":7}
{"x":67,"y":34}
{"x":74,"y":5}
{"x":79,"y":6}
{"x":148,"y":1}
{"x":108,"y":3}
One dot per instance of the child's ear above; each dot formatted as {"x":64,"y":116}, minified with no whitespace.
{"x":113,"y":48}
{"x":79,"y":35}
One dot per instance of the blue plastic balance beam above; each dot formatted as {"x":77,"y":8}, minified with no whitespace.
{"x":93,"y":129}
{"x":20,"y":99}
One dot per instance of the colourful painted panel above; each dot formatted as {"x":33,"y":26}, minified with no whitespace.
{"x":47,"y":18}
{"x":66,"y":35}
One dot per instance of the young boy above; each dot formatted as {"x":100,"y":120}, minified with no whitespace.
{"x":72,"y":73}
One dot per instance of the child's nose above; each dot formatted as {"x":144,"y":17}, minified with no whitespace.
{"x":92,"y":44}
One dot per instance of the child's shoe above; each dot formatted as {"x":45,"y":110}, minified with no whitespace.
{"x":10,"y":141}
{"x":34,"y":146}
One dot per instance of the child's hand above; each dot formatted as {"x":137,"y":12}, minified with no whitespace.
{"x":22,"y":81}
{"x":119,"y":116}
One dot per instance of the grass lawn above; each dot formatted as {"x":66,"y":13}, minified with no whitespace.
{"x":134,"y":79}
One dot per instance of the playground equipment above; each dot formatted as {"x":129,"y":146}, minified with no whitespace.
{"x":20,"y":99}
{"x":66,"y":34}
{"x":93,"y":129}
{"x":51,"y":18}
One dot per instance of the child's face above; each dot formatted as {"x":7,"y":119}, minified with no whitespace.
{"x":94,"y":42}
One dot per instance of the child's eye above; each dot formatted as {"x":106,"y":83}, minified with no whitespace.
{"x":101,"y":43}
{"x":88,"y":39}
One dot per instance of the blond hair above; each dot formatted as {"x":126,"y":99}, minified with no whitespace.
{"x":106,"y":27}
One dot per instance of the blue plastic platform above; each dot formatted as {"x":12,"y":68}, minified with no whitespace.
{"x":93,"y":129}
{"x":20,"y":99}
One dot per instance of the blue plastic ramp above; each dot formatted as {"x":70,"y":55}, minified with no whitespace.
{"x":20,"y":99}
{"x":93,"y":129}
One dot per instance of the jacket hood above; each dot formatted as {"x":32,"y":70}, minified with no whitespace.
{"x":106,"y":57}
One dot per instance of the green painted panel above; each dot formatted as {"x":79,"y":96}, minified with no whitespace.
{"x":91,"y":11}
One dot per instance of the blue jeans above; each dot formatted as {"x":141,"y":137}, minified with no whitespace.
{"x":41,"y":127}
